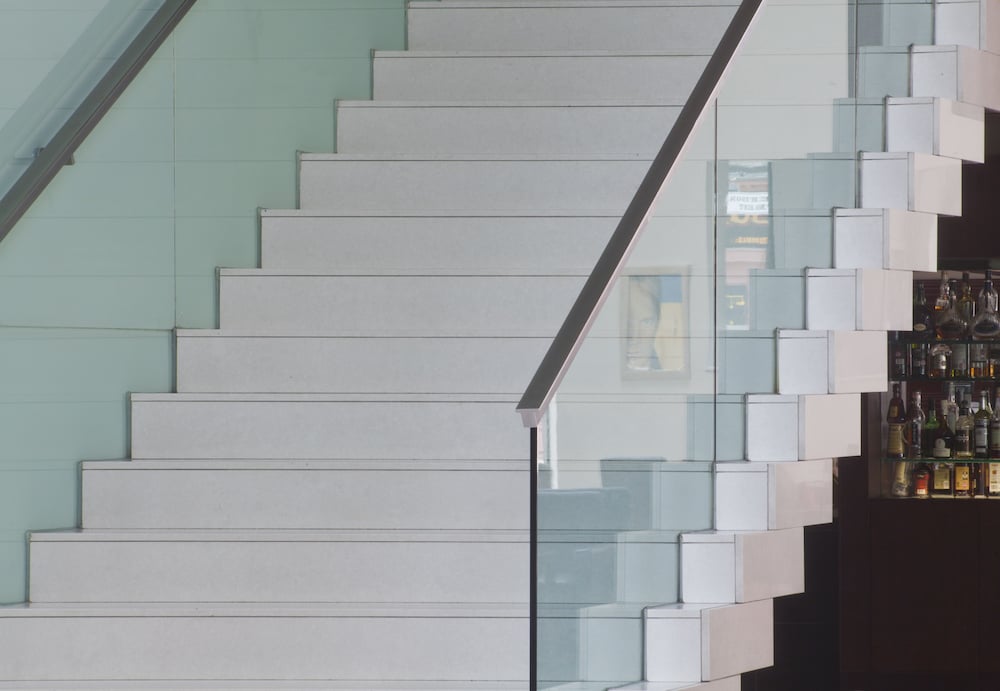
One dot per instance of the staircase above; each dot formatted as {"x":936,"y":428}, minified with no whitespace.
{"x":337,"y":494}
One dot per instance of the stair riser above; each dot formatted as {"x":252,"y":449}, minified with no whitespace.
{"x":545,"y":27}
{"x":773,"y":496}
{"x":557,"y":130}
{"x":914,"y":182}
{"x":957,"y":73}
{"x":831,"y":362}
{"x":326,"y":430}
{"x":304,"y":499}
{"x":504,"y":244}
{"x":936,"y":126}
{"x":396,"y":305}
{"x":791,"y":428}
{"x":663,"y":79}
{"x":743,"y":567}
{"x":885,"y":239}
{"x":707,"y":645}
{"x":468,"y":185}
{"x":276,"y":647}
{"x":974,"y":24}
{"x":385,"y":572}
{"x":379,"y":365}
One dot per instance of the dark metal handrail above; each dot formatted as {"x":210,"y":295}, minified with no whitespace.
{"x":595,"y":291}
{"x":59,"y":151}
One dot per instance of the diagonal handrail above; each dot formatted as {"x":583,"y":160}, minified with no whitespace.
{"x":59,"y":151}
{"x":598,"y":286}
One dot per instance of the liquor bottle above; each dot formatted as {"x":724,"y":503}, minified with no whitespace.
{"x":949,"y":324}
{"x":979,"y":359}
{"x":937,"y":366}
{"x":894,"y":448}
{"x":966,"y":303}
{"x":913,"y":433}
{"x":963,"y":480}
{"x":897,"y":356}
{"x":918,"y":359}
{"x":951,"y":414}
{"x":993,"y":469}
{"x":944,"y":294}
{"x":963,"y":433}
{"x":922,"y":481}
{"x":986,"y":324}
{"x":895,"y":417}
{"x":923,"y":320}
{"x":981,"y":427}
{"x":962,"y":452}
{"x":941,"y":473}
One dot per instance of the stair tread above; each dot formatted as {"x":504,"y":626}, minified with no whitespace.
{"x":265,"y":609}
{"x":289,"y":535}
{"x":540,"y":103}
{"x":477,"y":4}
{"x":402,"y":273}
{"x":324,"y":398}
{"x":464,"y":158}
{"x":241,"y":685}
{"x":493,"y":53}
{"x":513,"y":465}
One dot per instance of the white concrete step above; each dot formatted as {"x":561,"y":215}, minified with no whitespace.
{"x":327,"y":427}
{"x":911,"y":181}
{"x":559,"y":129}
{"x":791,"y":428}
{"x":271,"y":685}
{"x":726,"y":684}
{"x":728,"y":567}
{"x":574,"y":75}
{"x":303,"y":495}
{"x":773,"y":496}
{"x":957,"y":73}
{"x":398,"y":566}
{"x":394,"y":305}
{"x":565,"y":25}
{"x":704,"y":642}
{"x":233,"y":362}
{"x":972,"y":23}
{"x":526,"y":184}
{"x":499,"y":243}
{"x":818,"y":362}
{"x":935,"y":126}
{"x":885,"y":239}
{"x":181,"y":642}
{"x":863,"y":299}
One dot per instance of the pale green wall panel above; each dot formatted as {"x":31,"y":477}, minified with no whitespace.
{"x":204,"y":244}
{"x":154,"y":88}
{"x":197,"y":302}
{"x":130,"y":134}
{"x":234,"y":188}
{"x":108,"y":190}
{"x":20,"y":31}
{"x":115,"y":302}
{"x":327,"y":33}
{"x":271,"y":84}
{"x":82,"y":365}
{"x":89,"y":246}
{"x":258,"y":134}
{"x":13,"y":561}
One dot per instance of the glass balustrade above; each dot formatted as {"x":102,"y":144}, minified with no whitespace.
{"x":52,"y":60}
{"x":656,"y":398}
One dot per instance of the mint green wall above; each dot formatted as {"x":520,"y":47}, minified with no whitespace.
{"x":123,"y":246}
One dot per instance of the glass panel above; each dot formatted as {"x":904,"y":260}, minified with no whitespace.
{"x":52,"y":66}
{"x":657,"y":395}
